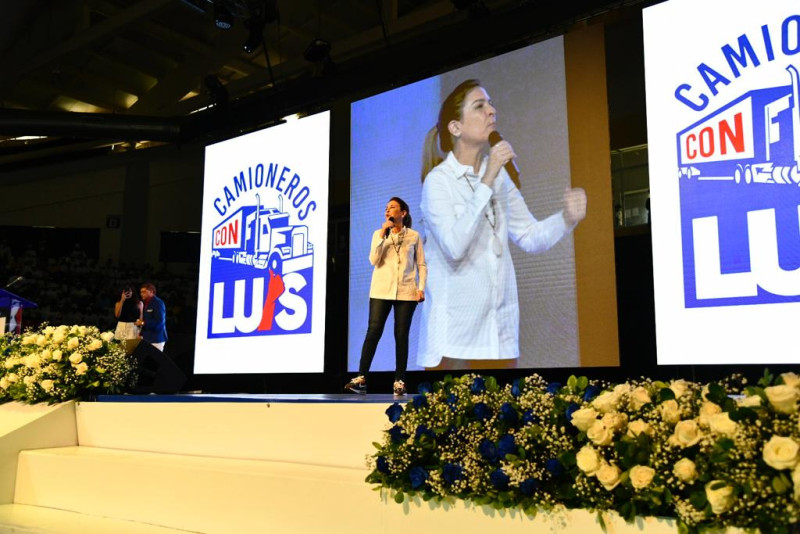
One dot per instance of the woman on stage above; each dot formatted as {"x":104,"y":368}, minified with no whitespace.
{"x":398,"y":281}
{"x":471,"y":207}
{"x":128,"y":310}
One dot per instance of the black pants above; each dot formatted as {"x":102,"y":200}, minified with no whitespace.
{"x":378,"y":312}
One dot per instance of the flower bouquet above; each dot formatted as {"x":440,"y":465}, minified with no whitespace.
{"x":710,"y":456}
{"x":55,"y":364}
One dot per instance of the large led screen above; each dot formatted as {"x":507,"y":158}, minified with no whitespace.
{"x":532,"y":293}
{"x":724,"y":144}
{"x":261,"y":297}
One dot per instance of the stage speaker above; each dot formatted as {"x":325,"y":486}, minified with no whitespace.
{"x":157,"y":372}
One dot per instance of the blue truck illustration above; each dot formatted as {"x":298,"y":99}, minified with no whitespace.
{"x":262,"y":238}
{"x":753,"y":139}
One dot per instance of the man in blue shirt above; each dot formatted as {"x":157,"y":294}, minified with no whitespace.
{"x":154,"y":317}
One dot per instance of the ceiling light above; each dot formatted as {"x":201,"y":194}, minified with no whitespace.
{"x":317,"y":51}
{"x":223,"y":18}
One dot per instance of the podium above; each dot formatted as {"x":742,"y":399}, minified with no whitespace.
{"x":11,"y":307}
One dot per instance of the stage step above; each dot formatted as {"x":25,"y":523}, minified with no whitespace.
{"x":326,"y":434}
{"x":195,"y":493}
{"x":23,"y":519}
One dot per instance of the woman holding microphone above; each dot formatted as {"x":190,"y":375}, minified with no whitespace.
{"x":398,"y":281}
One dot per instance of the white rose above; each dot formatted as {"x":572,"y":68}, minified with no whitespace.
{"x":81,"y":368}
{"x":41,"y":340}
{"x":588,"y":460}
{"x":82,"y":330}
{"x":12,"y":378}
{"x":58,"y":337}
{"x":606,"y":402}
{"x":687,"y":433}
{"x":706,"y":411}
{"x":57,"y":355}
{"x":584,"y":418}
{"x":95,"y":344}
{"x":639,"y":397}
{"x":796,"y":483}
{"x":753,"y":401}
{"x":639,"y":427}
{"x":641,"y":476}
{"x":670,"y":411}
{"x":791,"y":379}
{"x":28,"y":380}
{"x":47,"y":385}
{"x":599,"y":434}
{"x":721,"y":424}
{"x":76,"y":358}
{"x":72,"y":343}
{"x":48,"y":331}
{"x":29,"y":339}
{"x":685,"y":470}
{"x":720,"y":498}
{"x":615,"y":421}
{"x":4,"y":383}
{"x":781,"y":453}
{"x":46,"y":354}
{"x":32,"y":361}
{"x":107,"y":336}
{"x":679,"y":387}
{"x":608,"y":476}
{"x":783,"y":398}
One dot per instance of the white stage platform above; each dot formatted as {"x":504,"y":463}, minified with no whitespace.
{"x":225,"y":464}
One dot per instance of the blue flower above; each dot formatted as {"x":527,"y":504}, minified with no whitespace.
{"x":508,"y":413}
{"x":397,"y":434}
{"x":418,"y":476}
{"x":553,"y":387}
{"x":481,"y":411}
{"x":571,"y":408}
{"x":529,"y":417}
{"x":394,"y":411}
{"x":506,"y":445}
{"x":499,"y":479}
{"x":424,"y":387}
{"x":554,"y":467}
{"x":516,"y":391}
{"x":590,"y":393}
{"x":452,"y":401}
{"x":382,"y":464}
{"x":451,"y":473}
{"x":419,"y":401}
{"x":487,"y":450}
{"x":478,"y":385}
{"x":528,"y":486}
{"x":423,"y":430}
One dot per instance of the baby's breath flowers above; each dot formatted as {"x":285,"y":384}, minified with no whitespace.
{"x":710,"y":455}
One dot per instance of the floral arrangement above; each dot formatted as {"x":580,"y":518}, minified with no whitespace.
{"x":55,"y":364}
{"x":710,"y":456}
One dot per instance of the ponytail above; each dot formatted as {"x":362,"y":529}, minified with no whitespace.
{"x":431,"y":155}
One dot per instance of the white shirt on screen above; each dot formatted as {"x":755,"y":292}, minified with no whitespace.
{"x":398,"y":260}
{"x":471,"y":308}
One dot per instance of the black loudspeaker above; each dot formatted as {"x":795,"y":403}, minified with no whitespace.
{"x":157,"y":372}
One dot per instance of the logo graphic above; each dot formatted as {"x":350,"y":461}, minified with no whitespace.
{"x":739,"y":172}
{"x":261,"y":270}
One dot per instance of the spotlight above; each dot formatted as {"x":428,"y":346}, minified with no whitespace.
{"x":256,"y":35}
{"x":223,"y":18}
{"x":318,"y":51}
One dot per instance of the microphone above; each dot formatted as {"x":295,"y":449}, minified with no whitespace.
{"x":389,"y":229}
{"x":510,"y":166}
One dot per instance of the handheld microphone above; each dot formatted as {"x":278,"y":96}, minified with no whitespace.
{"x":389,"y":229}
{"x":510,"y":166}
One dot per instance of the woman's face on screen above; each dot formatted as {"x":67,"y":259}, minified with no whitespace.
{"x":393,"y":210}
{"x":478,"y":117}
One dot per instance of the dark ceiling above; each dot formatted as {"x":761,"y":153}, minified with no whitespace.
{"x":89,"y":75}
